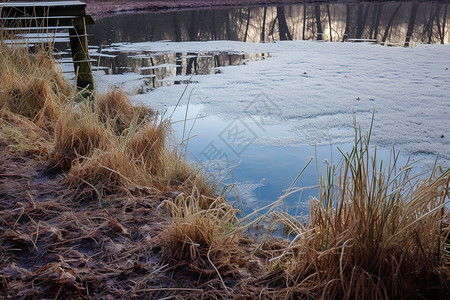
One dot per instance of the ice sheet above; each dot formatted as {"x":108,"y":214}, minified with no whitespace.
{"x":319,"y":87}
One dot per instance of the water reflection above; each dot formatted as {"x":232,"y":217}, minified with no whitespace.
{"x":161,"y":68}
{"x":265,"y":170}
{"x":397,"y":23}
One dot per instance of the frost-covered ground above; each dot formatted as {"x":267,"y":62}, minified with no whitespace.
{"x":314,"y":90}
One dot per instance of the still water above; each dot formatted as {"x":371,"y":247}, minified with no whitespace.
{"x":391,"y":23}
{"x":263,"y":171}
{"x":396,"y":23}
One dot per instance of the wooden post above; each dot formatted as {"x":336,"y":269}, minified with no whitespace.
{"x":80,"y":54}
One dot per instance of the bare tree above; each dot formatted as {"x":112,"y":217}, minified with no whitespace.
{"x":282,"y":24}
{"x":213,"y":21}
{"x":329,"y":22}
{"x":388,"y":27}
{"x":347,"y":23}
{"x":318,"y":22}
{"x":441,"y":31}
{"x":428,"y":28}
{"x":229,"y":26}
{"x":263,"y":30}
{"x":248,"y":24}
{"x":193,"y":29}
{"x":361,"y":20}
{"x":376,"y":21}
{"x":304,"y":22}
{"x":177,"y":26}
{"x":412,"y":21}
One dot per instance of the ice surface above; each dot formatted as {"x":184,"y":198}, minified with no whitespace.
{"x":316,"y":89}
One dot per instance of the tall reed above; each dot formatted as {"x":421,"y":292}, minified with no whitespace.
{"x":374,"y":232}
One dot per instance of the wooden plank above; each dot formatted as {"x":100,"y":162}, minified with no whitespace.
{"x":59,"y":8}
{"x":18,"y":21}
{"x":41,"y":3}
{"x":43,"y":34}
{"x":36,"y":28}
{"x":81,"y":61}
{"x":44,"y":18}
{"x":28,"y":21}
{"x":44,"y":12}
{"x":33,"y":41}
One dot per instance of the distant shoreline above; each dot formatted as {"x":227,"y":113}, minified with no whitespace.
{"x":102,"y":8}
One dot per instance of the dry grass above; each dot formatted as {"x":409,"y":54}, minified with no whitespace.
{"x":136,"y":157}
{"x":32,"y":91}
{"x":194,"y":231}
{"x":116,"y":109}
{"x":184,"y":174}
{"x":207,"y":241}
{"x":149,"y":147}
{"x":32,"y":86}
{"x":23,"y":135}
{"x":375,"y":232}
{"x":105,"y":141}
{"x":109,"y":171}
{"x":77,"y":135}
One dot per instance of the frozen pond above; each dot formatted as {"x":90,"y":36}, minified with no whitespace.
{"x":266,"y":105}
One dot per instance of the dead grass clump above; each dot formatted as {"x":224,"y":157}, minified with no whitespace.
{"x":32,"y":85}
{"x":375,"y":232}
{"x":180,"y":172}
{"x":208,"y":242}
{"x":21,"y":134}
{"x":36,"y":100}
{"x":107,"y":170}
{"x":148,"y":146}
{"x":195,"y":232}
{"x":138,"y":157}
{"x":117,"y":109}
{"x":77,"y":135}
{"x":91,"y":135}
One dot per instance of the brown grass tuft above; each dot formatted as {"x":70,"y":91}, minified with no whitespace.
{"x":23,"y":135}
{"x":187,"y":175}
{"x":148,"y":146}
{"x":374,"y":232}
{"x":195,"y":231}
{"x":104,"y":138}
{"x":41,"y":89}
{"x":117,"y":109}
{"x":77,"y":135}
{"x":138,"y":157}
{"x":108,"y":170}
{"x":115,"y":103}
{"x":32,"y":92}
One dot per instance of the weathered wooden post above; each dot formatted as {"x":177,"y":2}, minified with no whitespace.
{"x":80,"y":53}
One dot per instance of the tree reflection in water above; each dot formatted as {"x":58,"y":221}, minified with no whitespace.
{"x":387,"y":23}
{"x":400,"y":23}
